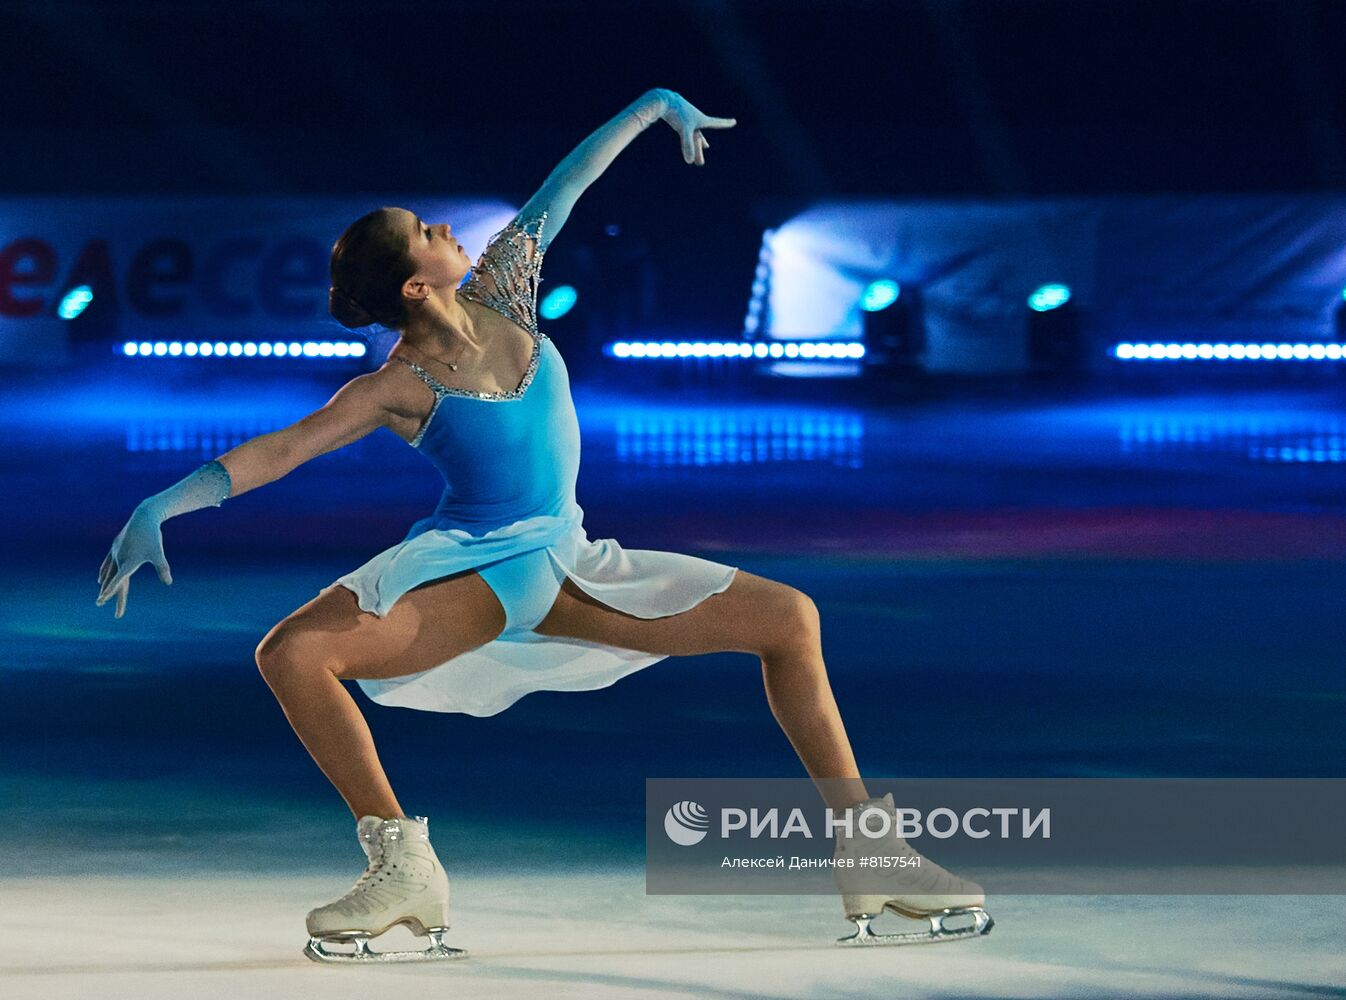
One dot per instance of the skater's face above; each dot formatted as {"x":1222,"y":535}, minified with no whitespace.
{"x":441,"y":261}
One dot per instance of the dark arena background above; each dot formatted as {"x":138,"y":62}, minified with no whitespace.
{"x":1012,"y":333}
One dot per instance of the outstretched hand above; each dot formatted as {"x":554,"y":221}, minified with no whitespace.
{"x":690,"y":124}
{"x":140,"y":541}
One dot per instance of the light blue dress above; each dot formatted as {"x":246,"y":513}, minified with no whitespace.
{"x":510,"y":461}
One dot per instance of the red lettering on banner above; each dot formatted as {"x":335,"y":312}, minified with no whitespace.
{"x":42,"y":272}
{"x":163,"y":281}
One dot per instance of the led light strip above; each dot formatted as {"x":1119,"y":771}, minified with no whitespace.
{"x":239,"y":349}
{"x":776,"y":349}
{"x":752,"y":322}
{"x":1230,"y":352}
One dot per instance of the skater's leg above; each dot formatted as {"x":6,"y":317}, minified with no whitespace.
{"x":306,"y":657}
{"x":800,"y":696}
{"x":754,"y":615}
{"x":782,"y":626}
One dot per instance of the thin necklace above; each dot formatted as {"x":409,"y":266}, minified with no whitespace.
{"x":450,"y":364}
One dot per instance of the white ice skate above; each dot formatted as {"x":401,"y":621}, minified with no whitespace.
{"x":922,"y":892}
{"x":403,"y":884}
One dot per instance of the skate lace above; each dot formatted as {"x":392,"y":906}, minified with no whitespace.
{"x":372,"y":871}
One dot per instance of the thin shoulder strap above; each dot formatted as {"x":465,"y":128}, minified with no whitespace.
{"x":425,"y":376}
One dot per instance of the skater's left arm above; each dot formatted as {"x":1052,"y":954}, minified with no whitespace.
{"x":587,"y":161}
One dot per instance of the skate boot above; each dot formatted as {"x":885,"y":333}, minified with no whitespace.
{"x":919,"y":889}
{"x":403,"y":884}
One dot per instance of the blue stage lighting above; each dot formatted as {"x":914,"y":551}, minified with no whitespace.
{"x":246,"y":349}
{"x":734,"y":349}
{"x":1049,"y":297}
{"x":75,"y":302}
{"x":558,"y":302}
{"x":880,"y":295}
{"x":1226,"y":352}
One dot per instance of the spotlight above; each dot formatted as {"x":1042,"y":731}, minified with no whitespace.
{"x":1053,"y":331}
{"x":880,"y":295}
{"x":894,"y":328}
{"x":1049,"y":297}
{"x":558,"y":302}
{"x":75,"y":302}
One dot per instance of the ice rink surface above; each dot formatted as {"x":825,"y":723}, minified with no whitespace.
{"x":595,"y":934}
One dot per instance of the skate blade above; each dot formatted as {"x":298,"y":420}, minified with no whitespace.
{"x":865,"y":937}
{"x":317,"y":949}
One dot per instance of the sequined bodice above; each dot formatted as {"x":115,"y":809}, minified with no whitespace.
{"x":441,"y":390}
{"x":502,"y":463}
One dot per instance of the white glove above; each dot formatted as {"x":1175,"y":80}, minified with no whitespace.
{"x":140,"y":540}
{"x":689,"y":123}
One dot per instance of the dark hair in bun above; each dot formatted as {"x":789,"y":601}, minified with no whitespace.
{"x":370,"y":263}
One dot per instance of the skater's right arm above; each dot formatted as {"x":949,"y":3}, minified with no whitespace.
{"x":358,"y":408}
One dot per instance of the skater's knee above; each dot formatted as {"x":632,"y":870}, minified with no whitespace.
{"x":796,"y":624}
{"x":288,"y":650}
{"x":805,"y":622}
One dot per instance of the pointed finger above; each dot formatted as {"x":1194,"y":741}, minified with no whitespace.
{"x":688,"y":147}
{"x":721,"y":123}
{"x":121,"y":597}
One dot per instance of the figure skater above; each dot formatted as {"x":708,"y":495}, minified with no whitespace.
{"x":499,"y":592}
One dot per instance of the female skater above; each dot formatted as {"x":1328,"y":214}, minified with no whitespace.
{"x":499,"y":592}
